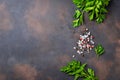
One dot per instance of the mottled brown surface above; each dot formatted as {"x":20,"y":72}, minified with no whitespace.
{"x":25,"y":72}
{"x":5,"y":20}
{"x":36,"y":39}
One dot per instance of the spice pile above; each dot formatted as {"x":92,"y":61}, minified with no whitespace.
{"x":85,"y":43}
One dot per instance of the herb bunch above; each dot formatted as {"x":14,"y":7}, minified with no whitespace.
{"x":96,"y":10}
{"x":76,"y":69}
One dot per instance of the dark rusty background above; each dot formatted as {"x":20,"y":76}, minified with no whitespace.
{"x":36,"y":39}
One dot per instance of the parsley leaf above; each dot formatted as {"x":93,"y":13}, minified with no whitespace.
{"x":91,"y":72}
{"x":99,"y":49}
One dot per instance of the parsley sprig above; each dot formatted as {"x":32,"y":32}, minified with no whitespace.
{"x":96,"y":10}
{"x":76,"y":69}
{"x":99,"y":50}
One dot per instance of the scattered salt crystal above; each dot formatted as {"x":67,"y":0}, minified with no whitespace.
{"x":78,"y":51}
{"x":90,"y":48}
{"x":85,"y":36}
{"x":74,"y":47}
{"x":92,"y":42}
{"x":73,"y":56}
{"x":81,"y":47}
{"x":88,"y":33}
{"x":86,"y":29}
{"x":81,"y":52}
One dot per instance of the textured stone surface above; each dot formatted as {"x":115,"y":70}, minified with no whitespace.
{"x":37,"y":38}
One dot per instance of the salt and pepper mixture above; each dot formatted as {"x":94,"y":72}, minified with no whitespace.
{"x":85,"y":43}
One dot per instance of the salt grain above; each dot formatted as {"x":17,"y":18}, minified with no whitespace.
{"x":73,"y":56}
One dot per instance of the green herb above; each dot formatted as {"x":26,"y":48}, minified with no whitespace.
{"x":76,"y":69}
{"x":99,"y":49}
{"x":96,"y":10}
